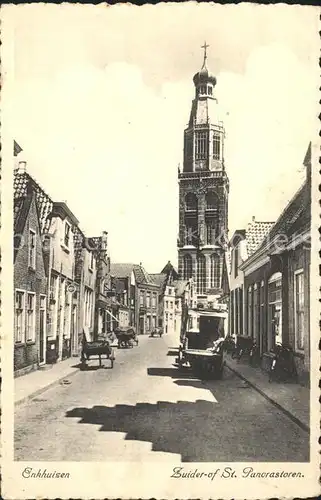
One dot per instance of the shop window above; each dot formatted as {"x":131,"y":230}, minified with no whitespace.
{"x":299,"y":309}
{"x":249,"y":312}
{"x":275,"y":310}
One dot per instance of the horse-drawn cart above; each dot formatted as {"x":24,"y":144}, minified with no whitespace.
{"x":98,"y":348}
{"x":158,"y":331}
{"x":126,"y":337}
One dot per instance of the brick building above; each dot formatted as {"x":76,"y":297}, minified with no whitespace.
{"x":203,"y":192}
{"x":30,"y":284}
{"x":147,"y":301}
{"x":70,"y":270}
{"x":124,"y":283}
{"x":84,"y":296}
{"x":106,"y":308}
{"x":242,"y":245}
{"x":277,"y":282}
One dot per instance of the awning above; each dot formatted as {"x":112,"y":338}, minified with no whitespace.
{"x":110,"y":314}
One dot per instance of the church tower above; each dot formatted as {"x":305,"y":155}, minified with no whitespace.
{"x":203,"y":191}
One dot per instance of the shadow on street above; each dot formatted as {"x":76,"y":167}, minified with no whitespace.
{"x":168,"y":426}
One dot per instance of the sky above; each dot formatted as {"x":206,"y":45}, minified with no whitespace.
{"x":101,"y":96}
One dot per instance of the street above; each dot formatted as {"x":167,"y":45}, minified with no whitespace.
{"x":144,"y":409}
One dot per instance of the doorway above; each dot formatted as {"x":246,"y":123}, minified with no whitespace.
{"x":141,"y":325}
{"x":42,"y":332}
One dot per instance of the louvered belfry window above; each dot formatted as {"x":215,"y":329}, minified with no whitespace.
{"x":201,"y":145}
{"x":216,"y":146}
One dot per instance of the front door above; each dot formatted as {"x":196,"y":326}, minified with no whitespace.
{"x":141,"y":325}
{"x":42,"y":333}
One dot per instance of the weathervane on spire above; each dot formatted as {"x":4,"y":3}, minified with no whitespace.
{"x":205,"y":46}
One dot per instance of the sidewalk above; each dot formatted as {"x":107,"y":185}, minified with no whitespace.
{"x":292,"y":399}
{"x":36,"y":382}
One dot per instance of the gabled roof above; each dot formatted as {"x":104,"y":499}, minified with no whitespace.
{"x":142,"y":276}
{"x":295,"y":217}
{"x":255,"y":234}
{"x":159,"y":279}
{"x":22,"y":183}
{"x":121,"y":270}
{"x":169,"y":268}
{"x":21,"y":207}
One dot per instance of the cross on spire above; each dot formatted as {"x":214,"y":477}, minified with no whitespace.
{"x":205,"y":46}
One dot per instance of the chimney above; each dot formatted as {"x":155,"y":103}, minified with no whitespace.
{"x":20,"y":166}
{"x":253,"y":218}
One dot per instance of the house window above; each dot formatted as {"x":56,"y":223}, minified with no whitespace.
{"x":19,"y":316}
{"x":201,"y":274}
{"x":148,"y":299}
{"x":141,"y":298}
{"x":88,"y":307}
{"x":216,"y":146}
{"x":32,"y":249}
{"x":201,"y":145}
{"x":92,"y":258}
{"x":187,"y":267}
{"x":215,"y":271}
{"x":67,"y":234}
{"x":154,"y":300}
{"x":299,"y":309}
{"x":236,"y":261}
{"x":172,"y":305}
{"x":30,"y":318}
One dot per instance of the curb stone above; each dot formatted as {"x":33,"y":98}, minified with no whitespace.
{"x":46,"y":387}
{"x":294,"y":419}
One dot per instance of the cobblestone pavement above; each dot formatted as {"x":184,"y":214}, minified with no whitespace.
{"x":144,"y":409}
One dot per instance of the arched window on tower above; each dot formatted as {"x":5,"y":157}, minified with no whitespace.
{"x":210,"y":232}
{"x":191,"y":202}
{"x":215,"y":271}
{"x":187,"y":267}
{"x":211,"y":201}
{"x":201,"y":274}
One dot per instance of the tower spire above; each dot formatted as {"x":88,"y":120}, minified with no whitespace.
{"x":205,"y":46}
